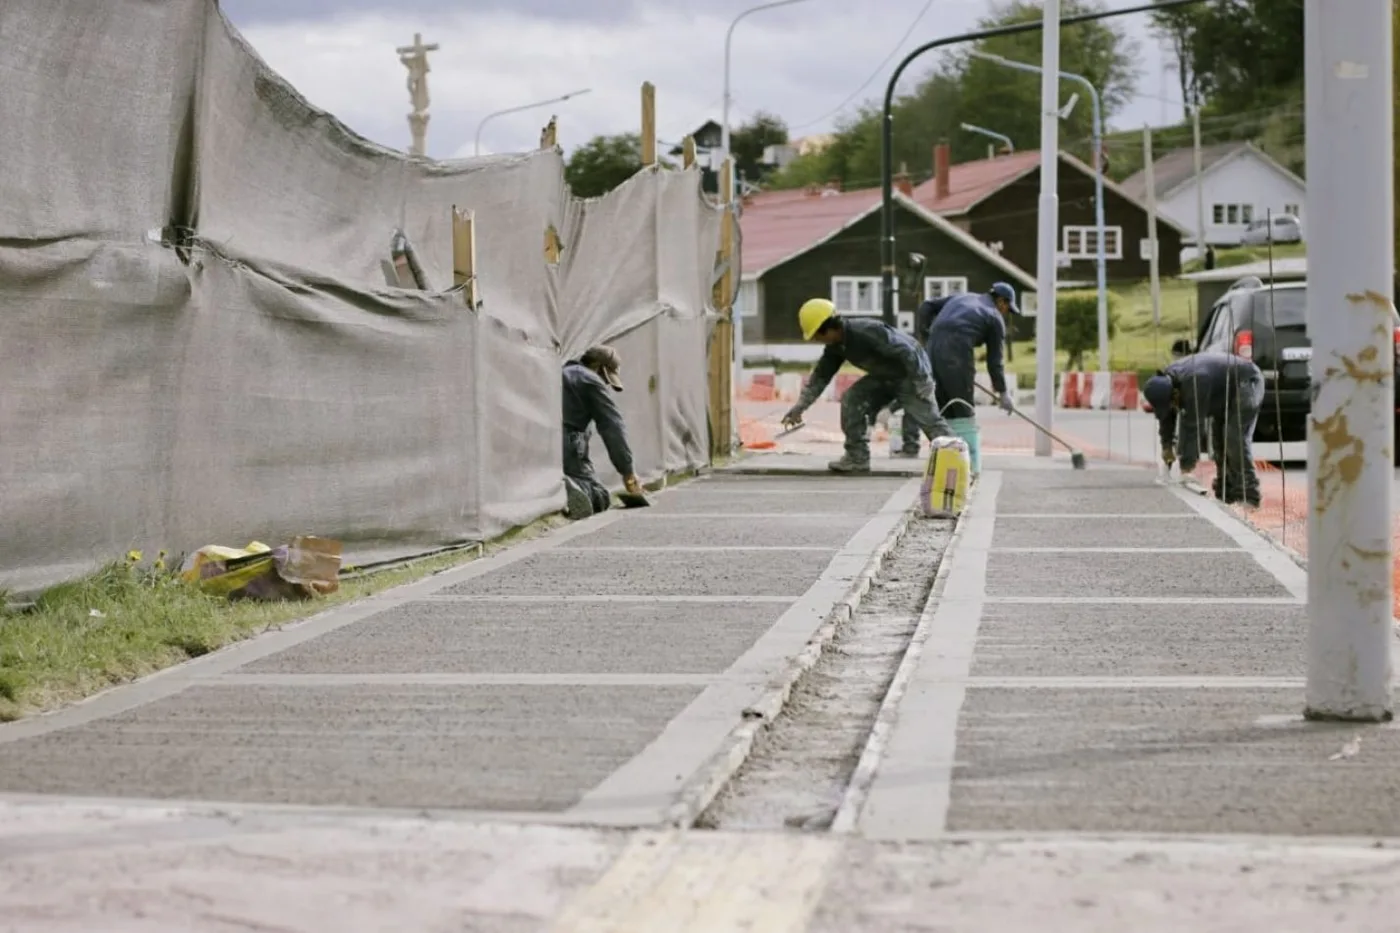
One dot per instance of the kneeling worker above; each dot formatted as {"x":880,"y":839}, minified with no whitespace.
{"x":896,"y":370}
{"x":1227,"y":391}
{"x":589,"y":382}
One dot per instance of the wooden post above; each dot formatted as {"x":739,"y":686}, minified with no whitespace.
{"x":721,"y":375}
{"x":688,"y":152}
{"x":552,"y":246}
{"x":549,"y":136}
{"x":464,"y":254}
{"x":648,"y":124}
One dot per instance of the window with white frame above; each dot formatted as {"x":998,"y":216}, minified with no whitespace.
{"x":858,"y":294}
{"x":1294,"y":209}
{"x":1246,"y":213}
{"x":1083,"y":242}
{"x":936,"y":287}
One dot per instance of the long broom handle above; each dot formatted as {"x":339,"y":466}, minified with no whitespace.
{"x":1035,"y":424}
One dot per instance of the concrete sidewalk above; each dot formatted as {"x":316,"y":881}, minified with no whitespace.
{"x":592,"y":676}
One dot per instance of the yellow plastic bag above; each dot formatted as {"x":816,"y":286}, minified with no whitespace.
{"x":944,"y":492}
{"x":308,"y":566}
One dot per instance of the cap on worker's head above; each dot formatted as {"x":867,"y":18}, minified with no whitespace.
{"x":1158,"y":392}
{"x":604,"y":361}
{"x":1006,"y":292}
{"x":813,"y":314}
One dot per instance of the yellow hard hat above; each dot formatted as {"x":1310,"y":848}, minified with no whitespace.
{"x":813,"y":314}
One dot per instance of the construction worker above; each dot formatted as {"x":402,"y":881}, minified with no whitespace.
{"x":589,"y":382}
{"x":923,"y":319}
{"x":896,"y":369}
{"x":955,"y":331}
{"x":1220,"y":388}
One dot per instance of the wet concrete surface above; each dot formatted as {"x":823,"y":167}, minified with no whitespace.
{"x":1130,"y":575}
{"x":1113,"y":533}
{"x":794,"y":530}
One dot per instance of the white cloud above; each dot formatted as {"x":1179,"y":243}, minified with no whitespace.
{"x":798,"y":62}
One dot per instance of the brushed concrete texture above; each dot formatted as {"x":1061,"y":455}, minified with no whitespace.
{"x":724,"y":498}
{"x":80,"y":869}
{"x":1141,"y":641}
{"x":1031,"y":501}
{"x":657,"y":573}
{"x":782,"y":464}
{"x":534,"y":638}
{"x":1130,"y":575}
{"x":531,"y":748}
{"x":684,"y":531}
{"x":820,"y":481}
{"x":1167,"y":760}
{"x":1107,"y":532}
{"x":1103,"y":886}
{"x":1089,"y":480}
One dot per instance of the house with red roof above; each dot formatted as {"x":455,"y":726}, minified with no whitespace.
{"x":997,"y":202}
{"x":825,"y":243}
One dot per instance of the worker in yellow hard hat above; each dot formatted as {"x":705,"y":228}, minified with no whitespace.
{"x":896,"y":369}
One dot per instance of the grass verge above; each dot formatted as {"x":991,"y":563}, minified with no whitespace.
{"x":133,"y":618}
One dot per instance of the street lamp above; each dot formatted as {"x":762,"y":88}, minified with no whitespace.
{"x":992,"y":134}
{"x":500,"y":113}
{"x":728,"y":194}
{"x":1098,"y":188}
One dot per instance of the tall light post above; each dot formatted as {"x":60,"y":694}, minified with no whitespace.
{"x":990,"y":134}
{"x":728,"y":194}
{"x":539,"y":103}
{"x":1100,"y":257}
{"x":1046,"y":239}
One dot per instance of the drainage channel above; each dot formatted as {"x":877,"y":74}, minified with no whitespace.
{"x":797,"y":773}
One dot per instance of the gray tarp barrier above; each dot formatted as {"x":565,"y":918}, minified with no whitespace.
{"x":264,"y":380}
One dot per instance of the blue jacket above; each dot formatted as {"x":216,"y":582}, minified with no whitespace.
{"x":1207,"y":383}
{"x":875,"y":347}
{"x":588,"y":400}
{"x":965,"y":322}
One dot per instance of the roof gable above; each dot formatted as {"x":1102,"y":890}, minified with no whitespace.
{"x":1178,"y":167}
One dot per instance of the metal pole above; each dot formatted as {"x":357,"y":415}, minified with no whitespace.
{"x":1047,"y":239}
{"x":887,"y":263}
{"x":1154,"y":279}
{"x":1347,"y":105}
{"x":1000,"y":137}
{"x":500,"y":113}
{"x":1200,"y":185}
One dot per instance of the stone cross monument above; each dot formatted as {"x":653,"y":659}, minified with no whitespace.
{"x":415,"y":59}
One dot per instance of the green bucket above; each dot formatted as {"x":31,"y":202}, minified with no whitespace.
{"x":966,"y":429}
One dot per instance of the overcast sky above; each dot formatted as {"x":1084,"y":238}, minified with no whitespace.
{"x":800,"y":62}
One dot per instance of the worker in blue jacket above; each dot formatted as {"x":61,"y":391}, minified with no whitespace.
{"x":589,"y":384}
{"x":1221,"y":390}
{"x":896,"y":369}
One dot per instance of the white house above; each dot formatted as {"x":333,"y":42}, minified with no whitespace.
{"x":1240,"y":184}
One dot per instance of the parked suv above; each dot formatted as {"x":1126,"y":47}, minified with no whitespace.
{"x":1285,"y":228}
{"x":1269,"y":324}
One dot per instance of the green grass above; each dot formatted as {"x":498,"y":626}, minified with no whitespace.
{"x":1243,"y":255}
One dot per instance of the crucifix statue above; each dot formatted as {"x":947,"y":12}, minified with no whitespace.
{"x":415,"y":58}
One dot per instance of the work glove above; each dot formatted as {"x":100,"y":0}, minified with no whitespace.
{"x":632,"y":484}
{"x":793,"y":418}
{"x":1007,"y":405}
{"x":1168,"y":456}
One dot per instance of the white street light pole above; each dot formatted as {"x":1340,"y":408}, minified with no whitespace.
{"x":1200,"y":185}
{"x":991,"y":134}
{"x":539,"y":103}
{"x":1347,"y":106}
{"x":727,"y":196}
{"x":1100,"y":257}
{"x":1049,"y":225}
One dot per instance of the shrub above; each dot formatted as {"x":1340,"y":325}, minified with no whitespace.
{"x":1077,"y":324}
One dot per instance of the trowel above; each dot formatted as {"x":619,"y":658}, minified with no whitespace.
{"x":633,"y":500}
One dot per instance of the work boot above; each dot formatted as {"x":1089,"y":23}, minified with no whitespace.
{"x":908,"y":453}
{"x":847,"y":465}
{"x":578,"y":503}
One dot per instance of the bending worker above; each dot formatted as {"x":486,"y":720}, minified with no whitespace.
{"x":589,"y":382}
{"x":896,"y":369}
{"x":1227,"y":391}
{"x":923,"y":319}
{"x":955,"y":331}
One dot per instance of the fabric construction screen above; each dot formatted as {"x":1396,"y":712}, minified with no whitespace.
{"x":199,"y":341}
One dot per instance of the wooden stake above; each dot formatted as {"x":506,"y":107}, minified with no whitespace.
{"x":549,"y":136}
{"x":464,"y":254}
{"x":552,"y":246}
{"x":721,"y":370}
{"x":688,"y":152}
{"x":648,"y":124}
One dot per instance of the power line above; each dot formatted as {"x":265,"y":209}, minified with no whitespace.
{"x":875,"y":74}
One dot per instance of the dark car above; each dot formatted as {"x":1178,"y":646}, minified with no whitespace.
{"x":1269,"y":324}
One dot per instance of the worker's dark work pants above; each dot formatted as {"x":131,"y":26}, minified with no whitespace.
{"x":953,"y":377}
{"x":864,"y":400}
{"x":1232,"y":443}
{"x":579,"y":468}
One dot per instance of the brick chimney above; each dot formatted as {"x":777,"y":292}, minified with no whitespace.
{"x":942,"y":156}
{"x":902,"y":183}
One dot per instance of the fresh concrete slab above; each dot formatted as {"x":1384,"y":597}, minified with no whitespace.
{"x":477,"y":748}
{"x":782,"y":464}
{"x":721,"y":497}
{"x":1063,"y":501}
{"x":1140,"y":641}
{"x":1126,"y":574}
{"x":1073,"y":532}
{"x":1171,"y":761}
{"x":658,"y":531}
{"x":657,"y":573}
{"x":534,"y":637}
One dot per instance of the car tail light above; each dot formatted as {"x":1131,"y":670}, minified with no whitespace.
{"x":1244,"y":344}
{"x":1397,"y":346}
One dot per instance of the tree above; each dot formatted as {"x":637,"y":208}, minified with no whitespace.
{"x":603,"y":163}
{"x":1177,"y":26}
{"x":1244,"y":55}
{"x":1077,"y":324}
{"x":748,"y":141}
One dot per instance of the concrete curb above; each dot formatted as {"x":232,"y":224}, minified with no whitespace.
{"x":702,"y":789}
{"x":853,"y":800}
